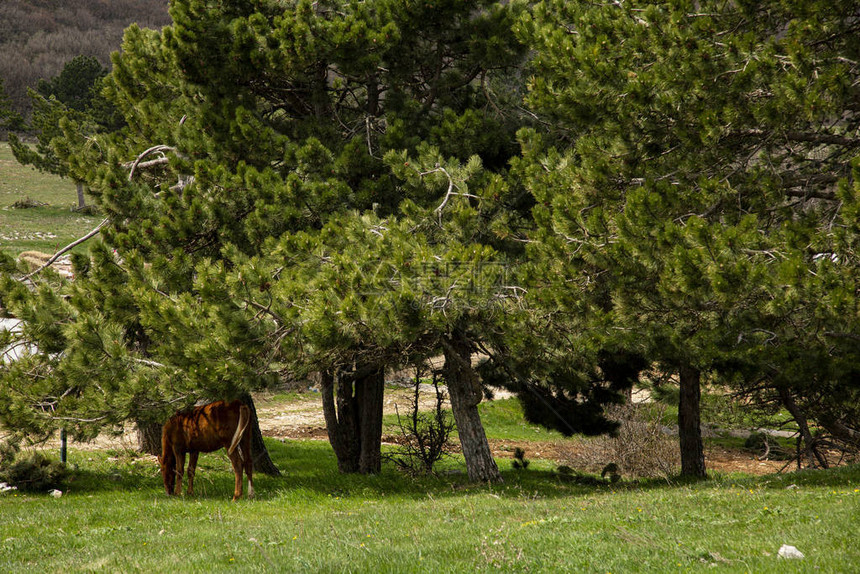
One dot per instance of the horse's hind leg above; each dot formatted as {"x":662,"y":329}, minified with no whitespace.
{"x":192,"y":468}
{"x":247,"y":460}
{"x":236,"y":461}
{"x":248,"y":463}
{"x":249,"y":470}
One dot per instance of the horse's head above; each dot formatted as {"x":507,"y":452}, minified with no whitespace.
{"x":168,"y":471}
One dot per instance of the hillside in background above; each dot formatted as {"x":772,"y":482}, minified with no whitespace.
{"x":38,"y":37}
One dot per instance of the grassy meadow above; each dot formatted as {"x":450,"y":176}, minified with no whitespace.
{"x":47,"y":227}
{"x":114,"y":516}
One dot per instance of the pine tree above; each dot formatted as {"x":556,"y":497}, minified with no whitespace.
{"x":256,"y":156}
{"x":700,"y":195}
{"x":72,"y":97}
{"x":75,"y":86}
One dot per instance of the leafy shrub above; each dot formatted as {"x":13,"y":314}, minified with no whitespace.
{"x":8,"y":451}
{"x":31,"y":472}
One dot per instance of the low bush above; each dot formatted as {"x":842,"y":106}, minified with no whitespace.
{"x":424,"y":435}
{"x":31,"y":472}
{"x":27,"y":203}
{"x":641,"y":448}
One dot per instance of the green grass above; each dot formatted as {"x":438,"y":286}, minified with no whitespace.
{"x":115,"y":517}
{"x":45,"y":228}
{"x":293,"y":396}
{"x":502,"y":420}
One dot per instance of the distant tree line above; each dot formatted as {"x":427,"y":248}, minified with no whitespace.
{"x":38,"y":38}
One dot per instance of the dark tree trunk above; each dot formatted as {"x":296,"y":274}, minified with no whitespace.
{"x":64,"y":446}
{"x":792,"y":407}
{"x":369,"y":393}
{"x":840,"y":430}
{"x":340,"y":422}
{"x":354,"y":419}
{"x":689,"y":424}
{"x":262,"y":460}
{"x":149,"y":437}
{"x":465,"y":392}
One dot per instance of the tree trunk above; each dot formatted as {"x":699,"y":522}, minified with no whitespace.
{"x":340,"y":422}
{"x":354,"y":419}
{"x":369,"y":393}
{"x":465,"y":392}
{"x":840,"y":431}
{"x":689,"y":424}
{"x":791,"y":406}
{"x":262,"y":460}
{"x":149,"y":437}
{"x":64,"y":447}
{"x":79,"y":186}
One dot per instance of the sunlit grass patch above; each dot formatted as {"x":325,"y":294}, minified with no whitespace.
{"x":47,"y":226}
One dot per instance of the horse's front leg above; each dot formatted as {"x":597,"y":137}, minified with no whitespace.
{"x":192,"y":468}
{"x":180,"y":470}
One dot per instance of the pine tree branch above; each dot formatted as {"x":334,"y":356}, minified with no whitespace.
{"x":791,"y":183}
{"x":450,"y":192}
{"x":80,"y":420}
{"x":266,"y":310}
{"x":154,"y":149}
{"x":821,"y":138}
{"x":137,"y":163}
{"x":149,"y":363}
{"x":450,"y":187}
{"x":800,"y":137}
{"x":850,"y":336}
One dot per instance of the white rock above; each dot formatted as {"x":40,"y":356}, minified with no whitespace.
{"x":790,"y":552}
{"x":56,"y":493}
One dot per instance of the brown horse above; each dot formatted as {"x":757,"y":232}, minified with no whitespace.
{"x":206,"y":429}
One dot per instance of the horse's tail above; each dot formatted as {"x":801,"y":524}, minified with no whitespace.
{"x":244,"y":420}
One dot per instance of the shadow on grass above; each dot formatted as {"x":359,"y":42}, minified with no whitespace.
{"x":309,"y":468}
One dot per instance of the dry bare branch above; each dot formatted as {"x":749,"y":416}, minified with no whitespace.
{"x":66,"y":249}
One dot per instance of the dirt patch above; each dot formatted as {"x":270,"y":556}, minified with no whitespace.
{"x":35,"y":259}
{"x":285,"y":419}
{"x":724,"y":460}
{"x":716,"y":458}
